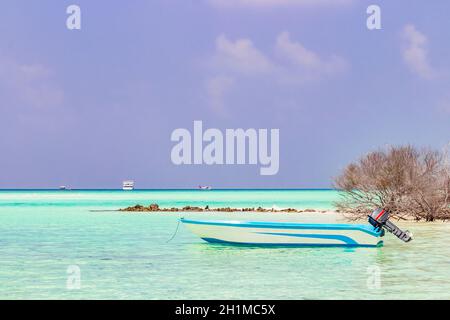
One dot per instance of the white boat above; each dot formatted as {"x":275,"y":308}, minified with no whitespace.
{"x":285,"y":234}
{"x":298,"y":234}
{"x":205,"y":187}
{"x":128,"y":185}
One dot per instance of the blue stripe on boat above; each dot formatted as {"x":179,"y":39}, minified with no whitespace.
{"x":246,"y":244}
{"x":344,"y":239}
{"x":283,"y":225}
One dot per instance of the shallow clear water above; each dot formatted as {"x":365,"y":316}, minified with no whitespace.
{"x":126,"y":255}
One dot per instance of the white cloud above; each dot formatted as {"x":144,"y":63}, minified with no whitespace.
{"x":293,"y":63}
{"x":217,"y":88}
{"x":307,"y":60}
{"x":28,"y":84}
{"x":415,"y":52}
{"x":240,"y":56}
{"x":276,"y":3}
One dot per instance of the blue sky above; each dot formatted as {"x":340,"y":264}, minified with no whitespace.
{"x":89,"y":108}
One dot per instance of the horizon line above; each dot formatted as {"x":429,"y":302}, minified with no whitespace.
{"x":154,"y":189}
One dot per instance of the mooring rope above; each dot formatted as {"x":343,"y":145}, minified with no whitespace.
{"x":176,"y":230}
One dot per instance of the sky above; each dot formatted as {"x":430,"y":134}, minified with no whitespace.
{"x":90,"y":108}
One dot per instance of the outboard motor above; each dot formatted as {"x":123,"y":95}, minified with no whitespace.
{"x":380,"y":219}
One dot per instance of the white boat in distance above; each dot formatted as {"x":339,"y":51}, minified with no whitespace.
{"x":128,"y":185}
{"x":205,"y":187}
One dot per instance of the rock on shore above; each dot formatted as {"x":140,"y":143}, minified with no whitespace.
{"x":156,"y":208}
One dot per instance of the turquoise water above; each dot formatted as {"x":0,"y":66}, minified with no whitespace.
{"x":171,"y":198}
{"x":126,"y":255}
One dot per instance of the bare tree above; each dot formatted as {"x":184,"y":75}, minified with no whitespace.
{"x":406,"y":181}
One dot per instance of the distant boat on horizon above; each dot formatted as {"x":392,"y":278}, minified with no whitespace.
{"x":128,"y":185}
{"x":64,"y":188}
{"x":205,"y":187}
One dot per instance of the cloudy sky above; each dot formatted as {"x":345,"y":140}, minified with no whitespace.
{"x":89,"y":108}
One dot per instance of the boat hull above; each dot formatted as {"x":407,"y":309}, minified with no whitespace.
{"x":285,"y":234}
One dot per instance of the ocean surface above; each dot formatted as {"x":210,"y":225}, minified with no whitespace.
{"x":54,"y":246}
